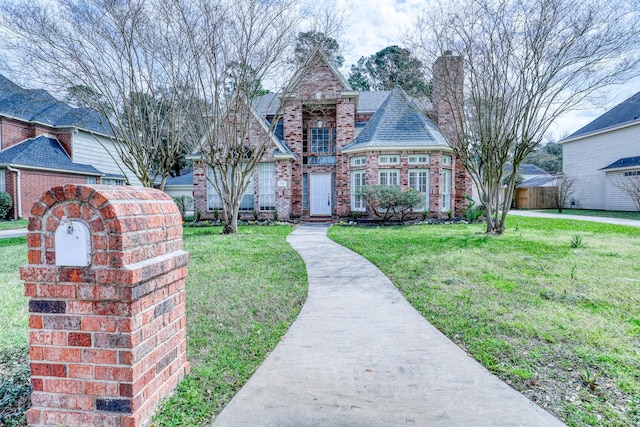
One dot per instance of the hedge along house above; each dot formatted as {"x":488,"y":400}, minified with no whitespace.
{"x":46,"y":143}
{"x":331,"y":140}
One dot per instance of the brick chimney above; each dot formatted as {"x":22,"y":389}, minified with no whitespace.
{"x":448,"y":82}
{"x":448,"y":85}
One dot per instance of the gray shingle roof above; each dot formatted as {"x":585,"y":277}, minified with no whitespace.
{"x":35,"y":105}
{"x":540,"y":181}
{"x":626,"y":112}
{"x":625,"y":162}
{"x":43,"y":152}
{"x":525,"y":169}
{"x":399,"y":122}
{"x":186,"y":179}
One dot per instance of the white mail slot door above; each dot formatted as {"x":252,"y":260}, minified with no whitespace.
{"x":73,"y":244}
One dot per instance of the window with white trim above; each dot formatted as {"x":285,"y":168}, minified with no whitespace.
{"x":632,"y":173}
{"x":419,"y":180}
{"x":357,"y":181}
{"x":3,"y":180}
{"x":446,"y":160}
{"x":358,"y":161}
{"x":446,"y":190}
{"x":389,"y":159}
{"x":112,"y":181}
{"x":267,"y":186}
{"x":388,"y":177}
{"x":214,"y":201}
{"x":415,"y":159}
{"x":91,"y":180}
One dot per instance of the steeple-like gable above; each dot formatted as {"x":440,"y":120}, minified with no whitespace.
{"x":319,"y":79}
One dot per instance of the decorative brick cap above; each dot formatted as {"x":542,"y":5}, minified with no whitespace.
{"x":127,"y":224}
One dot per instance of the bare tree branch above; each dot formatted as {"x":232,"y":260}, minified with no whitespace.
{"x":525,"y":63}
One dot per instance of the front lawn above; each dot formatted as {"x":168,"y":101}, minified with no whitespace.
{"x":243,"y":292}
{"x":551,"y":306}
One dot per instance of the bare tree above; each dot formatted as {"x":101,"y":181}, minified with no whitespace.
{"x":129,"y":66}
{"x":233,"y":44}
{"x":629,"y":184}
{"x":564,"y":190}
{"x":525,"y":62}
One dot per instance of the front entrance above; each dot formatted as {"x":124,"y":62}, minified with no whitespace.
{"x":320,"y":194}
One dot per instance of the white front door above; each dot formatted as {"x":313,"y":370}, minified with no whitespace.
{"x":320,"y":193}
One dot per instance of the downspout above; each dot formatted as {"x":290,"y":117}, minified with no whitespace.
{"x":18,"y":190}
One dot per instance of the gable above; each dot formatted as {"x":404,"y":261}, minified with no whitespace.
{"x":319,"y":79}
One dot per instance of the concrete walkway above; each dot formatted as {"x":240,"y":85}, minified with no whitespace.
{"x":618,"y":221}
{"x":360,"y":355}
{"x":16,"y":232}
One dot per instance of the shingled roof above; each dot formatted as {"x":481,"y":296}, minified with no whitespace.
{"x":39,"y":106}
{"x":625,"y":162}
{"x":43,"y":152}
{"x":624,"y":113}
{"x":398,"y":123}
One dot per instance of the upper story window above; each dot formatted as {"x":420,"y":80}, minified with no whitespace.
{"x":418,"y":159}
{"x":358,"y":161}
{"x":446,"y":160}
{"x":632,"y":173}
{"x":320,"y":140}
{"x":389,"y":159}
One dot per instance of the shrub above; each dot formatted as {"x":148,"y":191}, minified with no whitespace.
{"x":387,"y":202}
{"x":6,"y":203}
{"x":15,"y":387}
{"x":473,"y":212}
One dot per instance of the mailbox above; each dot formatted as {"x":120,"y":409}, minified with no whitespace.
{"x":72,"y":244}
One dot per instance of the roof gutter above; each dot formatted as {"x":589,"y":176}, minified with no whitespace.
{"x":18,"y":189}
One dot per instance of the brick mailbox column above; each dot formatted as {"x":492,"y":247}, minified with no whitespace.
{"x":107,"y":327}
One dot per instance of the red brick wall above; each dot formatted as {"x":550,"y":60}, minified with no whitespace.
{"x":107,"y":341}
{"x":35,"y":183}
{"x":15,"y":131}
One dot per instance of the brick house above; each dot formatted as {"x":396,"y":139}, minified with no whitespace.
{"x":331,"y":140}
{"x":46,"y":143}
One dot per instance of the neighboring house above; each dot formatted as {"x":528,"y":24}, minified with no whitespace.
{"x":602,"y":152}
{"x":332,"y":140}
{"x":45,"y":143}
{"x":181,"y":185}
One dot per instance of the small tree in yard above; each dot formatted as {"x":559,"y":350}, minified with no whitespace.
{"x":564,"y":189}
{"x":524,"y":63}
{"x":630,"y":185}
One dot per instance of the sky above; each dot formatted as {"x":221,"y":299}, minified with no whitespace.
{"x":372,"y":25}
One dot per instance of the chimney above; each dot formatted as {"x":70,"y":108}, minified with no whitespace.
{"x":448,"y":82}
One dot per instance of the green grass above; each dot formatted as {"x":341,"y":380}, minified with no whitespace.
{"x":243,"y":292}
{"x":13,"y":224}
{"x":529,"y":306}
{"x":592,"y":212}
{"x":14,"y":316}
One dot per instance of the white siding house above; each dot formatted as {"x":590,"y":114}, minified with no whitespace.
{"x":98,"y":151}
{"x":599,"y":153}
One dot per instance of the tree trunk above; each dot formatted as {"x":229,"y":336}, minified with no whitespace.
{"x":231,"y":224}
